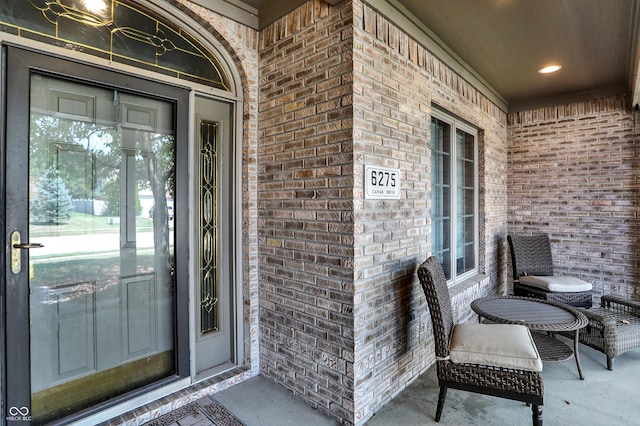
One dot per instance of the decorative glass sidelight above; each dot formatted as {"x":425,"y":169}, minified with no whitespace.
{"x":209,"y":292}
{"x":115,"y":30}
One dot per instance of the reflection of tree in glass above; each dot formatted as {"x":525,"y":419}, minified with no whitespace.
{"x":90,"y":158}
{"x":79,"y":150}
{"x":158,"y":174}
{"x":110,"y":193}
{"x":52,"y":203}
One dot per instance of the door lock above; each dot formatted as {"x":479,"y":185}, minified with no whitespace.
{"x":16,"y":246}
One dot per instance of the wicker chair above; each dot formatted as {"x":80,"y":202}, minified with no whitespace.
{"x":533,"y":276}
{"x":614,"y":327}
{"x":456,"y":362}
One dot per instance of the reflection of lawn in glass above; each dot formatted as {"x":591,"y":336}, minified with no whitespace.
{"x":80,"y":224}
{"x":79,"y":270}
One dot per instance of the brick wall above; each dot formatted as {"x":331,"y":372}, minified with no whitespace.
{"x":337,"y":287}
{"x":573,"y":173}
{"x":342,"y":319}
{"x":306,"y":205}
{"x":343,"y":87}
{"x":396,"y":81}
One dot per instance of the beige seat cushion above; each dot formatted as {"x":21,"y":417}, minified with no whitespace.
{"x":502,"y":345}
{"x":556,"y":283}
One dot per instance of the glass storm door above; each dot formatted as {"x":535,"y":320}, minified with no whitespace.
{"x":92,"y":302}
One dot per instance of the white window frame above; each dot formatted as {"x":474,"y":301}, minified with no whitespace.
{"x":458,"y":124}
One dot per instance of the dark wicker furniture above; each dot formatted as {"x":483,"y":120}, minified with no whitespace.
{"x":519,"y":385}
{"x":544,"y":316}
{"x":531,"y":255}
{"x":614,"y":327}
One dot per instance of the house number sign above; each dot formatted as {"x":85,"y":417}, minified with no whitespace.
{"x":381,"y":183}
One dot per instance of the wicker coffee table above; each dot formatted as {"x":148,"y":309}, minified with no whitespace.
{"x":542,"y":317}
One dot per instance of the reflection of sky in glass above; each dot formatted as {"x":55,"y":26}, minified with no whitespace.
{"x":95,"y":139}
{"x":99,"y":142}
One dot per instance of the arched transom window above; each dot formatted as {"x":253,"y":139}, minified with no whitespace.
{"x":115,"y":30}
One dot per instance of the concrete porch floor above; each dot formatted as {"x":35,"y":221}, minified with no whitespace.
{"x":603,"y":398}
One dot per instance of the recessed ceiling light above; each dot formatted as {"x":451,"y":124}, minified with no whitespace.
{"x":549,"y":69}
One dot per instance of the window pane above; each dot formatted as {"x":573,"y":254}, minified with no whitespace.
{"x":453,"y":214}
{"x":469,"y":202}
{"x":465,"y":223}
{"x":441,"y":193}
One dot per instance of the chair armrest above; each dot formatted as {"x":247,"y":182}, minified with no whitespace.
{"x":600,"y":320}
{"x":622,"y":305}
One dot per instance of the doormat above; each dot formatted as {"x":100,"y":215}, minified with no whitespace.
{"x":198,"y":412}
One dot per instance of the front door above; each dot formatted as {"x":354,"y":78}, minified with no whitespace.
{"x":95,"y":214}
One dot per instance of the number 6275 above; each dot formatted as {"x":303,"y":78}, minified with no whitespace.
{"x":383,"y":178}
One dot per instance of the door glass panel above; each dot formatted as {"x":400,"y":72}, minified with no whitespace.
{"x":209,"y":308}
{"x":101,"y":179}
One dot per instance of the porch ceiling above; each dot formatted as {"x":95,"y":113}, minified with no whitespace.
{"x":505,"y":42}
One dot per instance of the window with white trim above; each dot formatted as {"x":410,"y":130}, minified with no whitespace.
{"x":454,"y":195}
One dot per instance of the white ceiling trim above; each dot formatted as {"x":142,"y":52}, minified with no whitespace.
{"x":233,"y":9}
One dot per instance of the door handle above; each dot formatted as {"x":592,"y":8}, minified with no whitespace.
{"x":16,"y":246}
{"x":27,"y":246}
